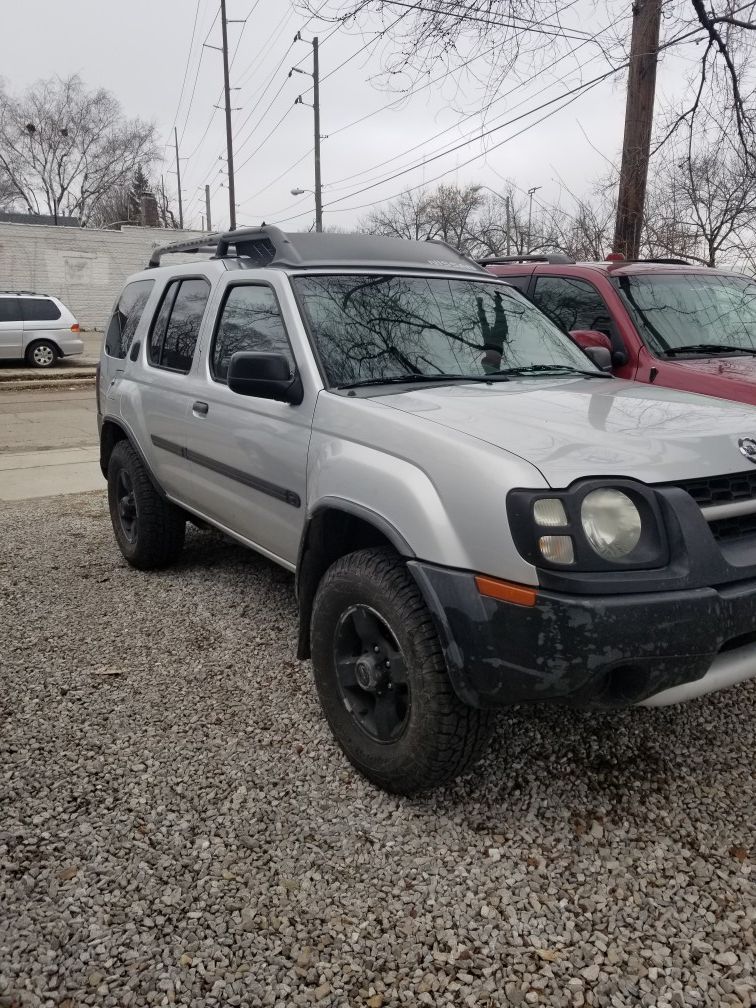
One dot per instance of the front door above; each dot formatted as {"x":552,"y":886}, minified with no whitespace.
{"x":249,"y":455}
{"x":11,"y":328}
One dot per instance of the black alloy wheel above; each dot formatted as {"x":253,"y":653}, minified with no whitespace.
{"x":372,"y":674}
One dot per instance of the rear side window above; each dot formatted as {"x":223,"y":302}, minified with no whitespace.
{"x":126,"y":316}
{"x":571,"y":303}
{"x":10,"y":310}
{"x":177,"y":326}
{"x":520,"y":282}
{"x":250,"y":320}
{"x":39,"y":310}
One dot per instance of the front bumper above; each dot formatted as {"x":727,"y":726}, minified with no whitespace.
{"x":591,"y":651}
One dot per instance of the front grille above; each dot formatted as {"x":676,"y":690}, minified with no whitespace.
{"x":721,"y":489}
{"x":727,"y":529}
{"x":714,"y":490}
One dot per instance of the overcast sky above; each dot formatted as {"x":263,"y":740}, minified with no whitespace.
{"x":143,"y":51}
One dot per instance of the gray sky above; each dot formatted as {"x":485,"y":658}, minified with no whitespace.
{"x":139,"y":51}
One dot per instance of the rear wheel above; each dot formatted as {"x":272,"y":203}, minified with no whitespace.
{"x":149,"y":530}
{"x":382,"y":679}
{"x":42,"y":354}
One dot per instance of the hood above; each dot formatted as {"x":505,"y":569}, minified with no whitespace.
{"x":732,"y":377}
{"x":573,"y":428}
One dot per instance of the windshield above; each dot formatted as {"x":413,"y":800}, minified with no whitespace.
{"x":693,"y":310}
{"x":379,"y":328}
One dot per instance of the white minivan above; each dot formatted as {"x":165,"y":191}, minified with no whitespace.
{"x":37,"y":328}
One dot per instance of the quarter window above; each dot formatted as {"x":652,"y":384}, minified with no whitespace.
{"x":39,"y":310}
{"x":176,"y":328}
{"x":572,"y":303}
{"x":250,"y":320}
{"x":10,"y":310}
{"x":126,"y":316}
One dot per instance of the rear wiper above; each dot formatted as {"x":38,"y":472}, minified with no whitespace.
{"x":707,"y":348}
{"x":410,"y":378}
{"x":565,"y":369}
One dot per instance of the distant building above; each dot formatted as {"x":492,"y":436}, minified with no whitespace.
{"x":8,"y":217}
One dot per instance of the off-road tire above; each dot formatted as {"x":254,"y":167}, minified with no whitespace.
{"x":42,"y":354}
{"x":159,"y":526}
{"x":442,"y":737}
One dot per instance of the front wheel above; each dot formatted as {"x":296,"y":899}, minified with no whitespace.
{"x":382,"y":680}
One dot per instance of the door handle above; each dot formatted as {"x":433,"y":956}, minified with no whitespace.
{"x":200,"y":409}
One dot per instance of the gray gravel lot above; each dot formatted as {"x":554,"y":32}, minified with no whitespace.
{"x":178,"y":827}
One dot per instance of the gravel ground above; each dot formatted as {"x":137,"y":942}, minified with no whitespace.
{"x":179,"y":828}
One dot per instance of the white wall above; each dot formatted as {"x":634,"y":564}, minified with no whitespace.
{"x":84,"y":267}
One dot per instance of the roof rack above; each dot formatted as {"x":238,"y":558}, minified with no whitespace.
{"x":553,"y":257}
{"x":268,"y":245}
{"x":660,"y":262}
{"x":206,"y":243}
{"x":36,"y":293}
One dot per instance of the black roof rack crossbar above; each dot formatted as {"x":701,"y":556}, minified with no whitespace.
{"x":36,"y":293}
{"x":552,"y":257}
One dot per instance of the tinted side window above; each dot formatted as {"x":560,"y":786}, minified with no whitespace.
{"x":176,"y":328}
{"x":10,"y":310}
{"x":39,"y":310}
{"x":571,"y":303}
{"x":250,"y":320}
{"x":520,"y":282}
{"x":126,"y":317}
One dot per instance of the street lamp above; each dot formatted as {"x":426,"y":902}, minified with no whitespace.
{"x":530,"y":215}
{"x":301,"y":192}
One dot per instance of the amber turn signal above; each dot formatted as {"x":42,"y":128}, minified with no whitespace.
{"x":505,"y":591}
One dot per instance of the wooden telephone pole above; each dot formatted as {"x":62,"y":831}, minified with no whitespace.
{"x":639,"y":120}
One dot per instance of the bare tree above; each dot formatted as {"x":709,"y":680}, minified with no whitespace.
{"x":409,"y":216}
{"x":702,"y":202}
{"x":63,"y":148}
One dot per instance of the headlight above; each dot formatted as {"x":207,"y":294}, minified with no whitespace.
{"x":611,"y":522}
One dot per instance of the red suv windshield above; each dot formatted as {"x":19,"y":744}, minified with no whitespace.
{"x":692,"y":313}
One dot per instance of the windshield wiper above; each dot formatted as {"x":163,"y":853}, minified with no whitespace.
{"x":412,"y":378}
{"x":562,"y":369}
{"x":707,"y":348}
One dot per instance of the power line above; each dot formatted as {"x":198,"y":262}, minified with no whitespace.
{"x":188,"y":60}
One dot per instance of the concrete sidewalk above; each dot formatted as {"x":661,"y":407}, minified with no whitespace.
{"x":26,"y":475}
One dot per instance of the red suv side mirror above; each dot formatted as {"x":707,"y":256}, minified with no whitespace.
{"x":591,"y":338}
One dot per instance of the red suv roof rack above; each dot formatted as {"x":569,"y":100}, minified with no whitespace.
{"x":553,"y":257}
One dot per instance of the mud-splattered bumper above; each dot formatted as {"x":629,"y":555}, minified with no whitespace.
{"x":588,"y":651}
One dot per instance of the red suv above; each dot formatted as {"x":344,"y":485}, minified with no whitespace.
{"x":665,"y":321}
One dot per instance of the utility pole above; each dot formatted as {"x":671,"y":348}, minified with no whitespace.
{"x":207,"y":208}
{"x":639,"y":120}
{"x":509,"y":225}
{"x":229,"y":135}
{"x":316,"y":110}
{"x":178,"y":180}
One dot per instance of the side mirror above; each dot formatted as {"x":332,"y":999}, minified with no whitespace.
{"x":594,"y":338}
{"x":600,"y":356}
{"x":591,"y":338}
{"x":264,"y":375}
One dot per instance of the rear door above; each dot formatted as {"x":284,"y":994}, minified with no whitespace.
{"x":155,"y":388}
{"x":11,"y":328}
{"x":42,"y":318}
{"x":249,"y":455}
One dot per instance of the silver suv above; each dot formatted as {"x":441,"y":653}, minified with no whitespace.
{"x":476,"y":514}
{"x":37,"y":328}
